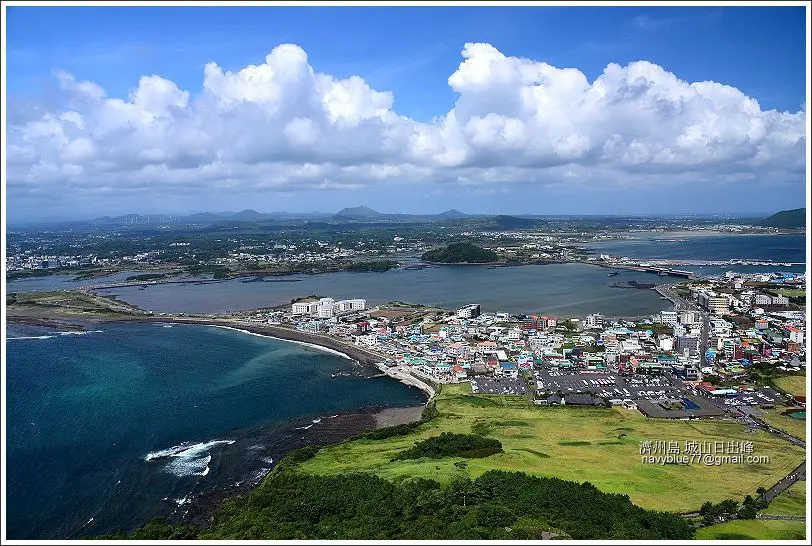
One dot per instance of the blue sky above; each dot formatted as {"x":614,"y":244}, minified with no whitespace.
{"x":410,"y":52}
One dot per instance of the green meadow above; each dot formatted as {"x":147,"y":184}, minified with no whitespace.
{"x":774,"y":417}
{"x":793,"y":384}
{"x":754,"y":529}
{"x":598,"y":445}
{"x":791,"y":502}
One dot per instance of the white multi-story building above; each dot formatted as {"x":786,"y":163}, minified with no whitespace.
{"x":762,"y":299}
{"x":718,"y":305}
{"x":594,"y":321}
{"x":304,"y":308}
{"x":689,"y":317}
{"x":668,"y":317}
{"x":720,"y":328}
{"x":796,"y":335}
{"x":325,"y":307}
{"x":469,"y":311}
{"x":780,"y":300}
{"x":351,"y":305}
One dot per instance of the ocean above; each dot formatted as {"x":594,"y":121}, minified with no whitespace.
{"x":110,"y":428}
{"x":710,"y":246}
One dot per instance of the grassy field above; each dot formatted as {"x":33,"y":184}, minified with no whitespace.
{"x":793,"y":384}
{"x":791,"y":292}
{"x":599,"y":445}
{"x":796,"y":427}
{"x":70,"y":304}
{"x":753,"y":529}
{"x":791,"y":502}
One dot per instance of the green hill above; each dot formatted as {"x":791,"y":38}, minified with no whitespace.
{"x":503,"y":222}
{"x":357,"y":213}
{"x":461,"y":253}
{"x":795,"y":218}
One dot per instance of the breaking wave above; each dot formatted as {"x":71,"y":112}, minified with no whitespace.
{"x":187,"y":459}
{"x":53,"y":334}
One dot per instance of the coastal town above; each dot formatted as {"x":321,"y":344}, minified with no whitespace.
{"x":713,"y":356}
{"x":512,"y":274}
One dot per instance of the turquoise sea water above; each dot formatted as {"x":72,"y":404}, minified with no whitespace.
{"x":86,"y":411}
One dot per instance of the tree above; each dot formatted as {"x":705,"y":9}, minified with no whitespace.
{"x":728,"y":507}
{"x":462,"y":489}
{"x":493,"y":515}
{"x":749,"y":509}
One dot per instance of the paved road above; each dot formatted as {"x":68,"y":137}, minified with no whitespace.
{"x":775,"y":432}
{"x":796,"y":475}
{"x":705,"y":332}
{"x":680,"y":305}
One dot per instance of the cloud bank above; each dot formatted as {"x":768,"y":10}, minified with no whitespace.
{"x":282,"y":126}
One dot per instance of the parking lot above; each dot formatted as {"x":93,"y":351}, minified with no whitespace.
{"x":498,"y":385}
{"x":759,"y":397}
{"x":608,"y":385}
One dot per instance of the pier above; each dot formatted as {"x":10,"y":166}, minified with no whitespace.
{"x":124,"y":284}
{"x":664,"y":271}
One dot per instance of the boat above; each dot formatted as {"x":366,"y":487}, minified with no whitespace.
{"x":613,"y":274}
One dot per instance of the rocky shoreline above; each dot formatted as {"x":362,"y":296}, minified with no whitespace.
{"x":199,"y":508}
{"x":242,"y":466}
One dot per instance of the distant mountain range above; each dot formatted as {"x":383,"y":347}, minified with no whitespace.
{"x":787,"y":219}
{"x":365,"y":215}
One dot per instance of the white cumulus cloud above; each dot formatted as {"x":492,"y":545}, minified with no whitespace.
{"x":284,"y":126}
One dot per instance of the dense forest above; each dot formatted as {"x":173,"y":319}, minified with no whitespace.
{"x":458,"y":253}
{"x":497,"y":505}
